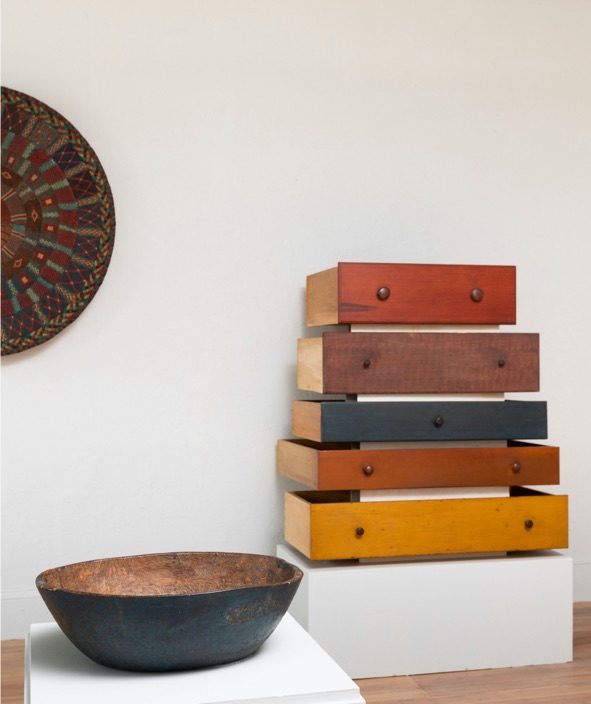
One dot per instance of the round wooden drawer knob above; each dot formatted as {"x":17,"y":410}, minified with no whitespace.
{"x":383,"y":293}
{"x":438,"y":422}
{"x":359,"y":532}
{"x":529,"y":524}
{"x":477,"y":294}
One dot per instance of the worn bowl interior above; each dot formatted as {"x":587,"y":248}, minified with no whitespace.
{"x":167,"y":574}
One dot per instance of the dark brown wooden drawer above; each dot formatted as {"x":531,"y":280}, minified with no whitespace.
{"x":390,"y":363}
{"x":328,"y":526}
{"x":384,"y":421}
{"x":337,"y":466}
{"x":411,"y":293}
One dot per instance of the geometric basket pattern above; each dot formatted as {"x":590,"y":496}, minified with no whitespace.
{"x":58,"y":222}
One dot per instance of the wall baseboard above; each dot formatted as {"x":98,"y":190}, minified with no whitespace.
{"x":21,"y":609}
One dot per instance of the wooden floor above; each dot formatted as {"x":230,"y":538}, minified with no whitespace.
{"x":569,"y":683}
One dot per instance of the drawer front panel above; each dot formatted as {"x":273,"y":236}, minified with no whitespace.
{"x":322,"y":467}
{"x":380,"y":363}
{"x":412,"y":293}
{"x":389,"y":421}
{"x":343,"y":530}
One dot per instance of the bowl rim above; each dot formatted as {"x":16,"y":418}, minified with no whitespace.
{"x":44,"y":588}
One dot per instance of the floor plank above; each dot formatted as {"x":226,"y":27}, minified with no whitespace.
{"x":13,"y":668}
{"x":379,"y":690}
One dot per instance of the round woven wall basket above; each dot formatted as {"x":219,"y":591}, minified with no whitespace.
{"x":58,"y":222}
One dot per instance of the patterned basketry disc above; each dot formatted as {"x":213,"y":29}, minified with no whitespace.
{"x":58,"y":222}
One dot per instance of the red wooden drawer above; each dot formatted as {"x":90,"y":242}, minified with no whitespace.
{"x":328,"y":467}
{"x":411,"y":293}
{"x":425,"y":362}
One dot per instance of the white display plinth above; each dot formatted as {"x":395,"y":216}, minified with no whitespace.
{"x":383,"y":619}
{"x":289,"y":667}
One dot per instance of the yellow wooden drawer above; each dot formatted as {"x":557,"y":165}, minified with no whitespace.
{"x":329,"y":526}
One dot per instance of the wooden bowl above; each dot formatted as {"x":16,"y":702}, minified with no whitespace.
{"x":170,"y":611}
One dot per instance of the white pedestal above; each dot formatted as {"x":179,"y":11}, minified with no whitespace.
{"x":289,"y":667}
{"x":384,"y":619}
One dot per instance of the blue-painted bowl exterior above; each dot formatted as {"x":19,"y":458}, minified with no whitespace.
{"x":172,"y":632}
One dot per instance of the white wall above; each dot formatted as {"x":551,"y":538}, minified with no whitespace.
{"x":248,"y":144}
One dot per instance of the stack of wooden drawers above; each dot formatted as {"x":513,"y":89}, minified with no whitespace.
{"x":423,"y":370}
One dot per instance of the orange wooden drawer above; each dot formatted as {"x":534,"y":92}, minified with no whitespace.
{"x":408,"y":362}
{"x":411,"y":293}
{"x":328,"y":526}
{"x":327,"y":467}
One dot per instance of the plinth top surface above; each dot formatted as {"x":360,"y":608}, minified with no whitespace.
{"x":289,"y":667}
